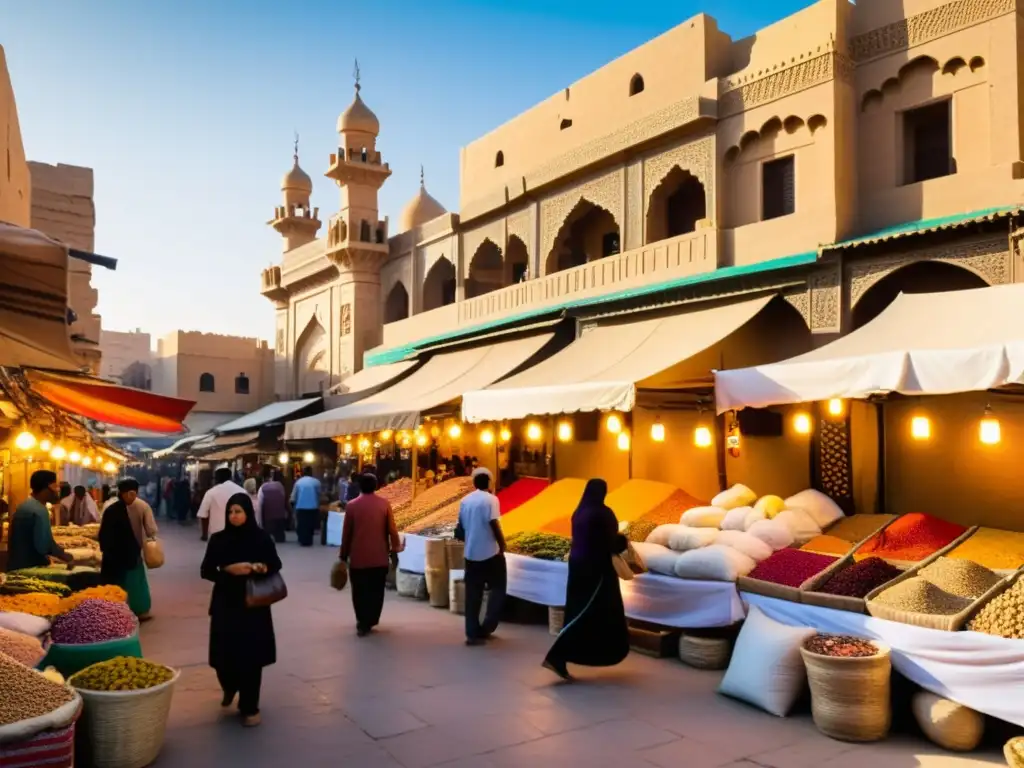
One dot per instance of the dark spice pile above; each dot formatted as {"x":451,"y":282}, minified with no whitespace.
{"x":859,"y":579}
{"x":791,"y":567}
{"x":843,"y":646}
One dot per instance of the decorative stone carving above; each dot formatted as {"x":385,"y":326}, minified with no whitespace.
{"x":800,"y":300}
{"x":825,"y":300}
{"x":280,"y":347}
{"x":988,"y":258}
{"x":604,"y":190}
{"x":738,"y":96}
{"x":346,"y":319}
{"x":926,"y":26}
{"x":472,"y":240}
{"x":634,"y":206}
{"x":520,"y":225}
{"x":697,"y":157}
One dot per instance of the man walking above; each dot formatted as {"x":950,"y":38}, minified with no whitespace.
{"x":479,"y":526}
{"x":306,"y":503}
{"x":213,"y":509}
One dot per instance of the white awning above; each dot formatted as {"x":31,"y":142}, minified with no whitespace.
{"x":366,"y":382}
{"x":443,"y":378}
{"x":922,"y":344}
{"x":268,"y":414}
{"x":602,"y":369}
{"x":180,"y":445}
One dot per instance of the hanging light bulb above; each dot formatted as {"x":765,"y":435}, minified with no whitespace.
{"x":989,"y":431}
{"x":25,"y":441}
{"x":74,"y":457}
{"x":59,"y":453}
{"x":455,"y":431}
{"x":421,"y":440}
{"x":614,"y":423}
{"x":282,"y":459}
{"x":487,"y":437}
{"x":363,"y":443}
{"x":435,"y":432}
{"x":920,"y":428}
{"x":533,"y":432}
{"x":386,"y":435}
{"x":45,"y":445}
{"x":87,"y":461}
{"x":835,"y":407}
{"x":347,"y":448}
{"x":505,"y":435}
{"x":802,"y":423}
{"x":110,"y":468}
{"x":658,"y":431}
{"x":702,"y":437}
{"x":623,"y":441}
{"x":565,"y":431}
{"x":308,"y":457}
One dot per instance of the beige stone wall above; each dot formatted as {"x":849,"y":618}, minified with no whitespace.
{"x":120,"y":349}
{"x":15,"y":180}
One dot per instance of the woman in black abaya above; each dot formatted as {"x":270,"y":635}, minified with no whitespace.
{"x":241,"y":638}
{"x":595,"y":632}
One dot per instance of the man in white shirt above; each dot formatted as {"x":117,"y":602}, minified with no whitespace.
{"x":213,"y":509}
{"x":479,"y":527}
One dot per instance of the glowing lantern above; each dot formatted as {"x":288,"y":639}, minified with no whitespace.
{"x":533,"y":432}
{"x":25,"y":441}
{"x":74,"y":457}
{"x":87,"y":461}
{"x":802,"y":424}
{"x":920,"y":428}
{"x":487,"y":437}
{"x":421,"y":440}
{"x":386,"y":435}
{"x":348,"y":449}
{"x":363,"y":443}
{"x":308,"y":457}
{"x":614,"y":423}
{"x":564,"y":431}
{"x":435,"y":432}
{"x":59,"y":453}
{"x":505,"y":435}
{"x":110,"y":468}
{"x":282,"y":459}
{"x":658,"y":432}
{"x":835,"y":407}
{"x":702,"y":437}
{"x":623,"y":441}
{"x":989,"y":431}
{"x":454,"y":431}
{"x":45,"y":445}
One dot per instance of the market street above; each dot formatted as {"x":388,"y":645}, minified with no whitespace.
{"x":413,"y":695}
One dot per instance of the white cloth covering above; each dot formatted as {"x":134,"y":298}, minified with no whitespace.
{"x":980,"y":671}
{"x":335,"y":525}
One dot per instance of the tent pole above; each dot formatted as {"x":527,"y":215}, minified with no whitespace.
{"x":415,"y":467}
{"x":880,"y":470}
{"x":720,"y":451}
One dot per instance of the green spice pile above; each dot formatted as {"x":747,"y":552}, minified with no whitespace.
{"x":543,"y":546}
{"x":1003,"y":616}
{"x":918,"y":595}
{"x":842,"y":646}
{"x":123,"y":673}
{"x":26,"y":693}
{"x":960,"y":577}
{"x":17,"y":584}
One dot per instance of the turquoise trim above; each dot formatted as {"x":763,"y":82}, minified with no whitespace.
{"x":404,"y":352}
{"x":924,"y":225}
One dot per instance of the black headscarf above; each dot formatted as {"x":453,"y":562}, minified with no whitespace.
{"x":247,"y":530}
{"x":594,"y":526}
{"x":120,"y":548}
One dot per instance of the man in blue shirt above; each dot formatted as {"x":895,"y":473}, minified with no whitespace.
{"x":306,"y":503}
{"x":31,"y":541}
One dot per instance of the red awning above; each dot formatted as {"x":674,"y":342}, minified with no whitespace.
{"x":111,"y":404}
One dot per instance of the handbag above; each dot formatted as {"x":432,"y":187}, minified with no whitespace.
{"x":153,"y":553}
{"x":263,"y":591}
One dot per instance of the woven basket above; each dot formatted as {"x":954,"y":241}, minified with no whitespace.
{"x":124,"y":729}
{"x":556,"y":619}
{"x":950,"y":725}
{"x":437,"y":586}
{"x":705,"y":652}
{"x":1014,"y":752}
{"x":434,"y":553}
{"x":456,"y":595}
{"x":850,"y":698}
{"x":455,"y":552}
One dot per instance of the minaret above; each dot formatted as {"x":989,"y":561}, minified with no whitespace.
{"x":357,"y":239}
{"x":297,"y":223}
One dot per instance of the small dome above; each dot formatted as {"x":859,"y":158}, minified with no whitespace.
{"x":297,"y":180}
{"x":358,"y":117}
{"x":421,"y":209}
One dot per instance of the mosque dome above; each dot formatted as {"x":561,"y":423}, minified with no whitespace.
{"x":358,"y":118}
{"x":297,"y":180}
{"x":421,"y":209}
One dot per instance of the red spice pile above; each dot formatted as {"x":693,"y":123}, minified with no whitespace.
{"x":860,"y":578}
{"x":911,"y":537}
{"x":843,"y":646}
{"x":791,"y":567}
{"x":520,"y":492}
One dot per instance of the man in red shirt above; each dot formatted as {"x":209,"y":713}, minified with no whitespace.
{"x":369,"y":536}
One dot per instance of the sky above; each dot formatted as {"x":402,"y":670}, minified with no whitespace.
{"x":186,"y":111}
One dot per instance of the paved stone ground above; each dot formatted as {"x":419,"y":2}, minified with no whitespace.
{"x":413,"y":695}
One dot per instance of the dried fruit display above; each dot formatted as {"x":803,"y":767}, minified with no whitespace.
{"x":841,"y":646}
{"x":960,"y":577}
{"x":543,"y":546}
{"x":1003,"y":616}
{"x":439,"y":523}
{"x":992,"y":548}
{"x":911,"y":538}
{"x":122,"y":673}
{"x":398,"y":494}
{"x":35,"y":603}
{"x":76,"y":542}
{"x":791,"y":567}
{"x":27,"y":693}
{"x":91,"y":531}
{"x":94,"y":621}
{"x":917,"y":595}
{"x":433,"y":499}
{"x":22,"y":648}
{"x":859,"y":579}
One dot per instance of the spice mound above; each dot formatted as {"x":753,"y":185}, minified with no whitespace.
{"x":918,"y":595}
{"x":860,"y":578}
{"x":1003,"y":616}
{"x":791,"y":567}
{"x":842,"y":646}
{"x":94,"y":621}
{"x":107,"y":592}
{"x":960,"y":577}
{"x":825,"y":544}
{"x":911,"y":538}
{"x":18,"y":584}
{"x":543,"y":546}
{"x":993,"y":548}
{"x":857,"y":527}
{"x":123,"y":673}
{"x":35,"y":603}
{"x":26,"y":693}
{"x":22,"y":648}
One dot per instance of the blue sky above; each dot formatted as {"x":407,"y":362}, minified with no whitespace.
{"x":186,"y":112}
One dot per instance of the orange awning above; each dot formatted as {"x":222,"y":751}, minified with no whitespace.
{"x":111,"y":404}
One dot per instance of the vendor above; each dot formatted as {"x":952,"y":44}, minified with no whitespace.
{"x":31,"y":541}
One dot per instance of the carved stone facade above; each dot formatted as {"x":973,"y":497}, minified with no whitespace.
{"x":766,"y":86}
{"x":826,"y":301}
{"x":696,"y":157}
{"x":605,"y":191}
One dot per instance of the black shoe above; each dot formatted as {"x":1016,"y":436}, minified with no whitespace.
{"x":362,"y":631}
{"x":472,"y":641}
{"x":228,"y":699}
{"x":559,"y":669}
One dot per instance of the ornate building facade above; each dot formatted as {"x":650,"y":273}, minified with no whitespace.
{"x":796,"y":160}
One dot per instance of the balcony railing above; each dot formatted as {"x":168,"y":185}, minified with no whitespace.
{"x":690,"y":254}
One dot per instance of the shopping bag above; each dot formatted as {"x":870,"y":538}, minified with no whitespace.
{"x":153,"y":553}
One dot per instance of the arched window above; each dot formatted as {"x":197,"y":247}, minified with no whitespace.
{"x":566,"y":123}
{"x":241,"y":384}
{"x":499,"y":159}
{"x":636,"y":84}
{"x":364,"y":231}
{"x":363,"y":154}
{"x":207,"y":383}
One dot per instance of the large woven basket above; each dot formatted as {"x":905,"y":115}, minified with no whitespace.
{"x":434,"y":553}
{"x":950,"y":725}
{"x":437,"y":586}
{"x":455,"y":552}
{"x":124,"y":729}
{"x":556,"y":619}
{"x":1014,"y":752}
{"x":705,"y":652}
{"x":850,"y":697}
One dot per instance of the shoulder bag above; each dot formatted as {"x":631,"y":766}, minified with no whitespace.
{"x":153,"y":553}
{"x":263,"y":591}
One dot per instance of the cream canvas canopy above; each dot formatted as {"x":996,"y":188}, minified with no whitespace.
{"x":922,"y":344}
{"x":443,"y":378}
{"x":602,"y":369}
{"x":366,"y":382}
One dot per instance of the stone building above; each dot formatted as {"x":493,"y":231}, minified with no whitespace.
{"x":127,"y":355}
{"x":835,"y":158}
{"x":15,"y":182}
